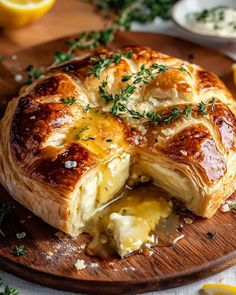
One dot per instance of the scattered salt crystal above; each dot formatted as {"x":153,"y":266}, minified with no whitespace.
{"x":82,"y":246}
{"x":50,"y":253}
{"x":184,"y":153}
{"x":70,"y":164}
{"x":225,"y":208}
{"x":94,"y":265}
{"x":188,"y":220}
{"x":80,"y":264}
{"x":21,"y":235}
{"x":18,"y":77}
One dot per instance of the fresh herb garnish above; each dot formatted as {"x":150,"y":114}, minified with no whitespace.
{"x":102,"y":62}
{"x":60,"y":57}
{"x":19,"y":250}
{"x":145,"y":12}
{"x":2,"y":58}
{"x":108,"y":139}
{"x":141,"y":77}
{"x":78,"y":135}
{"x":146,"y":74}
{"x":68,"y":100}
{"x":90,"y":40}
{"x":232,"y":207}
{"x":211,"y":235}
{"x":119,"y":100}
{"x":127,"y":54}
{"x":33,"y":73}
{"x":10,"y":291}
{"x":202,"y":108}
{"x":87,"y":108}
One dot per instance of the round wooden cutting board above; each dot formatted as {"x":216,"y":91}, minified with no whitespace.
{"x":50,"y":258}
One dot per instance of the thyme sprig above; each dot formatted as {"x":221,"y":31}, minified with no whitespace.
{"x":147,"y":73}
{"x":143,"y":76}
{"x":90,"y":40}
{"x":138,"y":10}
{"x":102,"y":62}
{"x":33,"y":73}
{"x":120,"y":108}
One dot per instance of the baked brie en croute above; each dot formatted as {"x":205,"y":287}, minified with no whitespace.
{"x":74,"y":137}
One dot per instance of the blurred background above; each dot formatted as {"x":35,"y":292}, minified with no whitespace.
{"x":26,"y":23}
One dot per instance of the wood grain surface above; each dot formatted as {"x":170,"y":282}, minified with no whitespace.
{"x":50,"y":259}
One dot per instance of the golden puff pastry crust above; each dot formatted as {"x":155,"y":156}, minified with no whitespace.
{"x":63,"y":160}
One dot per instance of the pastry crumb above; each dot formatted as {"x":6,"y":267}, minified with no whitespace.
{"x":82,"y":247}
{"x":94,"y":265}
{"x":50,"y":253}
{"x":80,"y":264}
{"x":188,"y":220}
{"x":225,"y":208}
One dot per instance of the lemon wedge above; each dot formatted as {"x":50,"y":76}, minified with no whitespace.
{"x":18,"y":13}
{"x":218,"y":289}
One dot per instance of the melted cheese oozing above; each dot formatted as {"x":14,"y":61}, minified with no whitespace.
{"x":131,"y":222}
{"x":102,"y":135}
{"x":99,"y":132}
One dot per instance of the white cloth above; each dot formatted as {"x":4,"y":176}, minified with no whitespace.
{"x":226,"y":277}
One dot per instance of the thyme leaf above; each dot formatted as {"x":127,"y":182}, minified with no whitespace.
{"x":101,"y":63}
{"x":68,"y":100}
{"x":10,"y":291}
{"x":19,"y":251}
{"x":33,"y":73}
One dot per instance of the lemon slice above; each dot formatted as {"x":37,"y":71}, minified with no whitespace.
{"x":218,"y":289}
{"x":18,"y":13}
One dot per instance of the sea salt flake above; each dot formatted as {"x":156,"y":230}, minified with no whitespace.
{"x":225,"y":208}
{"x":18,"y":77}
{"x":21,"y":235}
{"x":80,"y":264}
{"x":70,"y":164}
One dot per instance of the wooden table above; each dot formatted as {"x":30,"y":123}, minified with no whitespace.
{"x":61,"y":20}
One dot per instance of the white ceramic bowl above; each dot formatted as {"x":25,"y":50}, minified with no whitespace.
{"x":183,"y":8}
